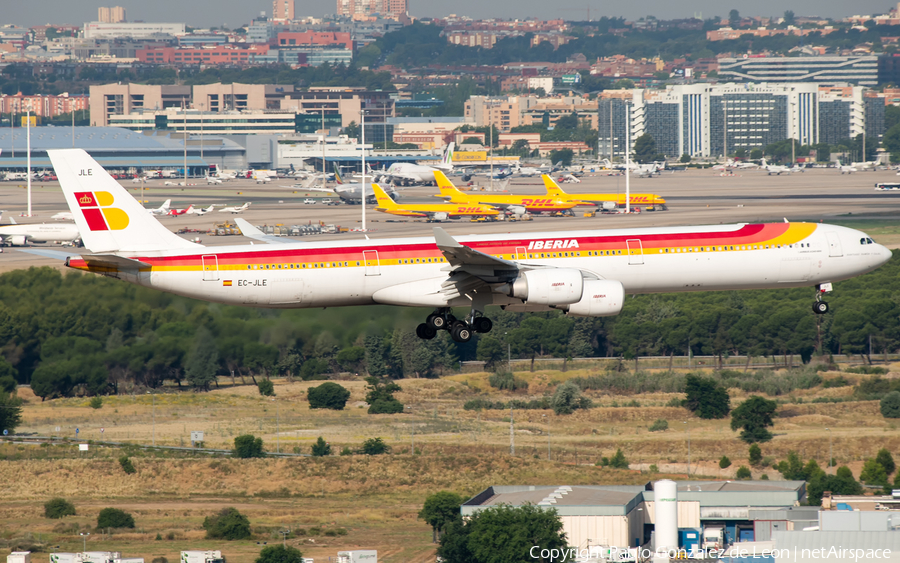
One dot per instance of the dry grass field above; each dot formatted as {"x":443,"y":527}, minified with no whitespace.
{"x":375,"y":499}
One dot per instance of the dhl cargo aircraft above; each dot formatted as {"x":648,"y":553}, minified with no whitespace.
{"x":434,"y":211}
{"x":583,"y":273}
{"x":518,"y":204}
{"x":597,"y":200}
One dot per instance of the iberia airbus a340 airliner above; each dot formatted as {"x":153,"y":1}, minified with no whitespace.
{"x":583,"y":273}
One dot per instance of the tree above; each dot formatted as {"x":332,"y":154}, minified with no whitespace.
{"x":755,"y":455}
{"x":228,"y":524}
{"x":724,"y":462}
{"x":841,"y":483}
{"x":266,"y":388}
{"x":644,"y":149}
{"x":439,"y":510}
{"x":706,"y":398}
{"x":742,"y":473}
{"x":500,"y":534}
{"x":202,"y":361}
{"x":114,"y":518}
{"x":328,"y":395}
{"x":280,"y":554}
{"x":126,"y":465}
{"x":96,"y":402}
{"x":754,"y":416}
{"x":756,"y":154}
{"x":734,"y":19}
{"x":10,"y":412}
{"x":58,"y":507}
{"x":886,"y":460}
{"x":618,"y":460}
{"x":248,"y":446}
{"x":873,"y":473}
{"x":374,"y":446}
{"x":685,"y":158}
{"x":380,"y":396}
{"x":352,"y":130}
{"x":568,"y":397}
{"x":788,"y":17}
{"x":563,"y":157}
{"x":321,"y":448}
{"x":890,"y":405}
{"x":490,"y":351}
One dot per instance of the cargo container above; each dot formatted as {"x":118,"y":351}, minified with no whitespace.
{"x":100,"y":556}
{"x":19,"y":557}
{"x":358,"y":556}
{"x":202,"y":557}
{"x":66,"y":558}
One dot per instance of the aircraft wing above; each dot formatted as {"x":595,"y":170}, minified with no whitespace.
{"x":113,"y":261}
{"x":48,"y":253}
{"x":250,"y":231}
{"x":483,"y":266}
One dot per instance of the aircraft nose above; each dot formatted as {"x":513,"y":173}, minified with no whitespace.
{"x":884,"y":254}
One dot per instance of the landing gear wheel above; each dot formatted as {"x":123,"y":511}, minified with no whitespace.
{"x":436,"y":322}
{"x":425,"y":332}
{"x":461,"y":332}
{"x":483,"y":324}
{"x":820,"y":307}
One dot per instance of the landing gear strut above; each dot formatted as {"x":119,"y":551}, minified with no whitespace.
{"x":460,"y":330}
{"x":820,"y":307}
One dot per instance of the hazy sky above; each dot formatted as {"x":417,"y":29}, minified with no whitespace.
{"x":204,"y":13}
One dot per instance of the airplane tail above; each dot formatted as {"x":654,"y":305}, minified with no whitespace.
{"x":165,"y":205}
{"x":337,"y":175}
{"x":382,"y":198}
{"x":553,"y":188}
{"x":447,"y":161}
{"x":446,"y":187}
{"x":108,"y":218}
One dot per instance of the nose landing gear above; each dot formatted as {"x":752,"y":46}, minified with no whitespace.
{"x":820,"y":307}
{"x":460,"y":330}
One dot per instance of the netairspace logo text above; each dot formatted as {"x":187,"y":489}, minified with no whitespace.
{"x":795,"y":554}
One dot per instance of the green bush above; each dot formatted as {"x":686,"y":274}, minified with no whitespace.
{"x":867,"y":370}
{"x":374,"y":446}
{"x":280,"y":554}
{"x":380,"y":396}
{"x":618,"y":460}
{"x":506,"y":381}
{"x":568,"y":397}
{"x":328,"y":395}
{"x":228,"y":524}
{"x":114,"y":518}
{"x":890,"y":405}
{"x":58,"y":507}
{"x":266,"y":387}
{"x":839,"y":381}
{"x":724,"y":462}
{"x":96,"y":402}
{"x":742,"y":473}
{"x":321,"y":448}
{"x":248,"y":446}
{"x":706,"y":398}
{"x":654,"y":468}
{"x":126,"y":465}
{"x":659,"y":425}
{"x":755,"y":454}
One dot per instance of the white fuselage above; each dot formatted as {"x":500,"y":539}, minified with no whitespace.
{"x":410,"y":271}
{"x":49,"y":232}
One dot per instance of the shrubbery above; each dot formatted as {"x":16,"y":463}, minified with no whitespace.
{"x":114,"y":518}
{"x":228,"y":524}
{"x":58,"y":507}
{"x":321,"y":448}
{"x":248,"y":446}
{"x":506,"y":381}
{"x":266,"y":387}
{"x":126,"y":465}
{"x":659,"y":425}
{"x":328,"y":395}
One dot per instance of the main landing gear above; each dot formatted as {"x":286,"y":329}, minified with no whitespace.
{"x":820,"y":307}
{"x":460,"y":330}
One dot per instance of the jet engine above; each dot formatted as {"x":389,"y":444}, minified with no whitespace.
{"x":601,"y":298}
{"x":17,"y":240}
{"x":442,"y":216}
{"x":553,"y":286}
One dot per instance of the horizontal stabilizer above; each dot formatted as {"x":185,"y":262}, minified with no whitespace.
{"x":113,"y":261}
{"x":48,"y":253}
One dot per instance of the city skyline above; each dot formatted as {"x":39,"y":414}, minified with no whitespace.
{"x":199,"y":13}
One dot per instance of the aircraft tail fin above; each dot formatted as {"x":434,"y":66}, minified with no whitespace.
{"x":108,"y":218}
{"x":383,"y":199}
{"x":448,"y":190}
{"x":337,"y":174}
{"x":552,"y":187}
{"x":447,"y":161}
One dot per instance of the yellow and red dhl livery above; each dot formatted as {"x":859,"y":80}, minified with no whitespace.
{"x":583,"y":273}
{"x":554,"y":190}
{"x":530,"y":204}
{"x":434,"y":211}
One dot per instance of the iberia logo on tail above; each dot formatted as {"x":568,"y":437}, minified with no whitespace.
{"x":97,"y":211}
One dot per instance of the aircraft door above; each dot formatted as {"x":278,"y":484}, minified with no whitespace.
{"x":370,"y":259}
{"x":635,"y":251}
{"x":834,"y":244}
{"x":210,"y":265}
{"x":521,"y":253}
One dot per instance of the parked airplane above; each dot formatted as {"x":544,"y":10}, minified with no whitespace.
{"x":583,"y":273}
{"x":776,"y":169}
{"x":177,"y":212}
{"x":408,"y":173}
{"x":194,"y":211}
{"x":732,"y":164}
{"x":235,"y":209}
{"x":640,"y":170}
{"x":848,"y":169}
{"x":352,"y":193}
{"x":20,"y":235}
{"x":529,"y":171}
{"x":433,"y":212}
{"x":212,"y":180}
{"x":517,"y":204}
{"x":63,"y":216}
{"x":598,"y":200}
{"x":162,"y":209}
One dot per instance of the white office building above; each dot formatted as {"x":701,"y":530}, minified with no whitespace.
{"x":137,"y":30}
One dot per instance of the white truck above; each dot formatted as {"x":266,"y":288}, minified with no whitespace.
{"x":713,"y":537}
{"x":100,"y":556}
{"x":202,"y":557}
{"x":66,"y":557}
{"x":358,"y":556}
{"x":19,"y":557}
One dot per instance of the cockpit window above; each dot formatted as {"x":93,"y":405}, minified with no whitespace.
{"x":870,"y":241}
{"x":866,"y":240}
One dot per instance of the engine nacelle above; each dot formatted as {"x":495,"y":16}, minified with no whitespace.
{"x":602,"y":298}
{"x":516,"y":210}
{"x":552,"y":286}
{"x":17,"y":240}
{"x":442,"y":216}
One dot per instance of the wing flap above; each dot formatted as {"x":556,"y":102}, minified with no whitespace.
{"x":461,"y":258}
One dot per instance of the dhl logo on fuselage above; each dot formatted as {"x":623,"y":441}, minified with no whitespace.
{"x":540,"y":202}
{"x":471,"y":210}
{"x":97,"y":211}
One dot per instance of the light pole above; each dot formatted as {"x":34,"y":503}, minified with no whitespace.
{"x":548,"y":435}
{"x":688,"y":426}
{"x":793,"y":152}
{"x":84,"y":536}
{"x":284,"y":535}
{"x":362,"y":186}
